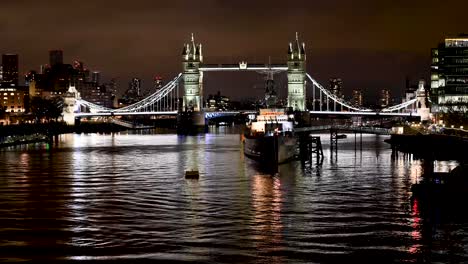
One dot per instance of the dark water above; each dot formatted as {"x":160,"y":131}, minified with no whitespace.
{"x":123,"y":198}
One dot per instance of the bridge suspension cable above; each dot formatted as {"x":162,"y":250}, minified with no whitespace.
{"x":161,"y":100}
{"x":333,"y":97}
{"x":400,"y":106}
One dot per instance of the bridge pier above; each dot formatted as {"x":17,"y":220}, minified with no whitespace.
{"x":189,"y":123}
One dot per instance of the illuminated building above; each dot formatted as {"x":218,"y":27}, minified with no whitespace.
{"x":97,"y":94}
{"x":12,"y":99}
{"x":449,"y":74}
{"x":133,"y":93}
{"x":158,"y":83}
{"x":335,"y":86}
{"x":357,"y":97}
{"x":296,"y":75}
{"x":384,"y":98}
{"x":96,"y":77}
{"x":55,"y":57}
{"x":135,"y":86}
{"x":218,"y":102}
{"x":10,"y":69}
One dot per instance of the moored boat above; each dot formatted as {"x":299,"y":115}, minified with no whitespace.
{"x":269,"y":137}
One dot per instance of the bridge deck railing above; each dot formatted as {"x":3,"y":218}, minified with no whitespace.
{"x":346,"y":128}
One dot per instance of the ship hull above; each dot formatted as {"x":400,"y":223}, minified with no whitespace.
{"x":270,"y":149}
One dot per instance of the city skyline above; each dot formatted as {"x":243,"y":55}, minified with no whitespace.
{"x":372,"y":48}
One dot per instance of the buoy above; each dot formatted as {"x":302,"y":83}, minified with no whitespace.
{"x":192,"y":174}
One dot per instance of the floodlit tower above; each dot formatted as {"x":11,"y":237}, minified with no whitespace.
{"x":423,"y":103}
{"x":296,"y":75}
{"x":192,"y":57}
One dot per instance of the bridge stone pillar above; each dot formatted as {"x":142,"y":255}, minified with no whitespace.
{"x":297,"y":75}
{"x":69,"y":105}
{"x":423,"y":103}
{"x":191,"y":59}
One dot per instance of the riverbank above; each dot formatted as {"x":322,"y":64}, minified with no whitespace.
{"x":432,"y":146}
{"x":12,"y":135}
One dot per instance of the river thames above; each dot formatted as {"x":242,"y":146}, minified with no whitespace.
{"x":123,"y":198}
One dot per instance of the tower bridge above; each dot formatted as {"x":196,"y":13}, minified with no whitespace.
{"x":189,"y":84}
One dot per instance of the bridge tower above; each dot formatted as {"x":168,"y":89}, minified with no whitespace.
{"x":297,"y":75}
{"x":422,"y":103}
{"x":192,"y":57}
{"x":192,"y":118}
{"x":69,"y":103}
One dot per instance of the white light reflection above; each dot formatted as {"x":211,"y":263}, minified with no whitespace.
{"x":267,"y":201}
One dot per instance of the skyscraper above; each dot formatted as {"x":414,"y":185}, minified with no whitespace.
{"x":384,"y":98}
{"x":96,"y":77}
{"x":135,"y":86}
{"x":357,"y":97}
{"x":449,"y":73}
{"x":335,"y":85}
{"x":55,"y":57}
{"x":10,"y":69}
{"x":157,"y":82}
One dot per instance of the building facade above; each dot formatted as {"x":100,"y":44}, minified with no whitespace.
{"x":13,"y":99}
{"x":55,"y":57}
{"x":449,"y":74}
{"x":335,"y":85}
{"x":384,"y":98}
{"x":357,"y":97}
{"x":10,"y":69}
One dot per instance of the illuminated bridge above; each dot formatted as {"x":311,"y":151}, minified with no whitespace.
{"x":189,"y":85}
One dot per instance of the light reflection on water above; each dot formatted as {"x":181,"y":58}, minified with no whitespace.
{"x":124,"y":197}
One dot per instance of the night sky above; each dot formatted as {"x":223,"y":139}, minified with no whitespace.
{"x":369,"y":44}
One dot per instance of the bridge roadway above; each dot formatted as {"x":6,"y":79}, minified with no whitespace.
{"x":210,"y":115}
{"x":345,"y":128}
{"x":362,"y":113}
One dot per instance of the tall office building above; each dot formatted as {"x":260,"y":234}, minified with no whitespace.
{"x":10,"y":69}
{"x":55,"y":57}
{"x":449,"y":73}
{"x":135,"y":86}
{"x":384,"y":98}
{"x":357,"y":97}
{"x":335,"y":85}
{"x":96,"y":77}
{"x":157,"y":82}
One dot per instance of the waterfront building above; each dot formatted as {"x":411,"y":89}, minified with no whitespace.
{"x":384,"y":98}
{"x":449,"y":74}
{"x":12,"y":99}
{"x":10,"y":69}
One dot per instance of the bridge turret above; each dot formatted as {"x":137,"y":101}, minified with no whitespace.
{"x":297,"y":75}
{"x":191,"y":59}
{"x":423,"y":102}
